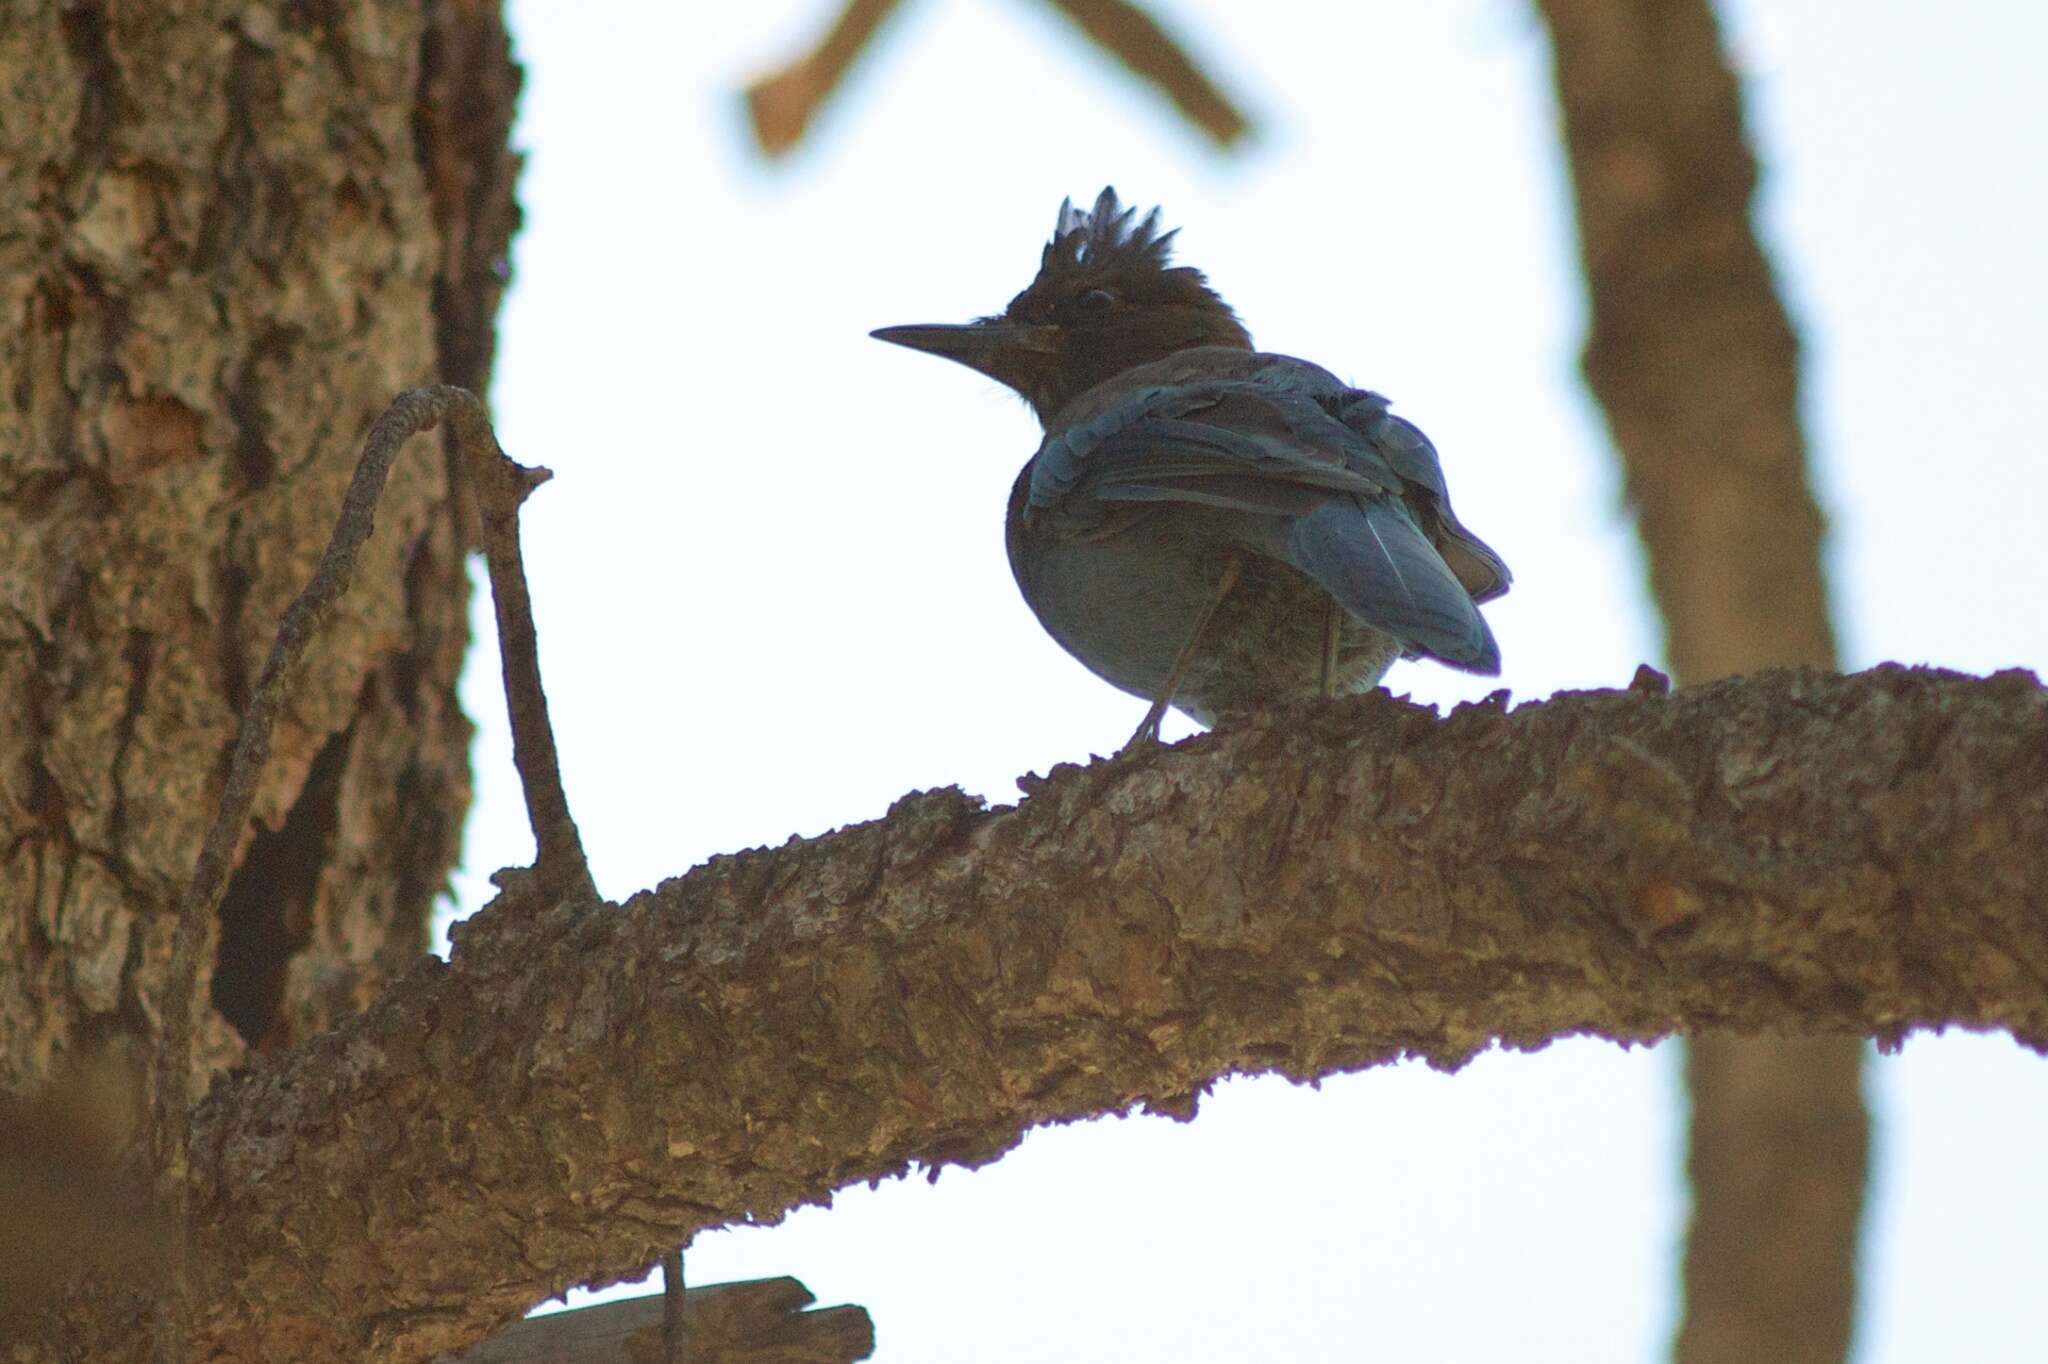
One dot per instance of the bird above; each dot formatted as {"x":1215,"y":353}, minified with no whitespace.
{"x":1205,"y":525}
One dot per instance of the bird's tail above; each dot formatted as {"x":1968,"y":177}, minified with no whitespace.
{"x":1370,"y":555}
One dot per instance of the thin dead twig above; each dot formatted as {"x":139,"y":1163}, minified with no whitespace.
{"x":561,"y":869}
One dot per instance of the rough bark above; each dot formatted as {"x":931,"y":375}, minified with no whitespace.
{"x":1696,"y":365}
{"x":225,"y":232}
{"x":584,"y":1085}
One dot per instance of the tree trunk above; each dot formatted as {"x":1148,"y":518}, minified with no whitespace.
{"x":1697,"y":367}
{"x":229,"y":235}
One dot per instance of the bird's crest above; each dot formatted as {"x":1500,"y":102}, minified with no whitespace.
{"x":1104,"y":301}
{"x":1107,"y":234}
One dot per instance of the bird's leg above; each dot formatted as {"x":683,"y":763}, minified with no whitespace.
{"x":1333,"y":630}
{"x":1148,"y":728}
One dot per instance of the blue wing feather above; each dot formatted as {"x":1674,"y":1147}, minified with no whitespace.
{"x":1370,"y":556}
{"x":1360,"y":491}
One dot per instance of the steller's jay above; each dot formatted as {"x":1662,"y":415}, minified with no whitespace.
{"x":1206,"y":525}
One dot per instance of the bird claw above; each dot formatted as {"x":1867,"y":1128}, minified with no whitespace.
{"x":1144,"y":737}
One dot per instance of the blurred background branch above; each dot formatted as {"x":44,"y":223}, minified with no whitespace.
{"x":782,"y":104}
{"x":1696,"y":365}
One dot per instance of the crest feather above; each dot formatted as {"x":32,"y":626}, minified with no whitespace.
{"x":1106,"y":232}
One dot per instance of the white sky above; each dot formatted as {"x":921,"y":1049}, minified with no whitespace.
{"x":771,"y":589}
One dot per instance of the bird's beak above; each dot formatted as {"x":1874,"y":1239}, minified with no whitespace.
{"x":992,"y":347}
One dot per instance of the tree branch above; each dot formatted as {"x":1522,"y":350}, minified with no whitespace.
{"x":782,"y":104}
{"x":1130,"y":34}
{"x":580,"y":1089}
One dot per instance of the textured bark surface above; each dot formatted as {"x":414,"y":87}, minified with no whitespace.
{"x":224,"y":233}
{"x":1697,"y":367}
{"x":585,"y":1085}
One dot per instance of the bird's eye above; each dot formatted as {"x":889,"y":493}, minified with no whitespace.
{"x":1094,"y":299}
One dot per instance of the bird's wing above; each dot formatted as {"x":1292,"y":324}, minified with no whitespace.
{"x":1233,"y":443}
{"x":1350,"y":504}
{"x":1411,"y":456}
{"x":1369,"y":554}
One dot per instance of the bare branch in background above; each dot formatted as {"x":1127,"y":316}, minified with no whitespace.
{"x":782,"y":104}
{"x":1696,"y":364}
{"x":1692,"y":356}
{"x":1131,"y":35}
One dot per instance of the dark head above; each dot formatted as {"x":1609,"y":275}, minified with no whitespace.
{"x":1105,"y":301}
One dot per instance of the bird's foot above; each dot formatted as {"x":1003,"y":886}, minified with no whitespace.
{"x":1147,"y":733}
